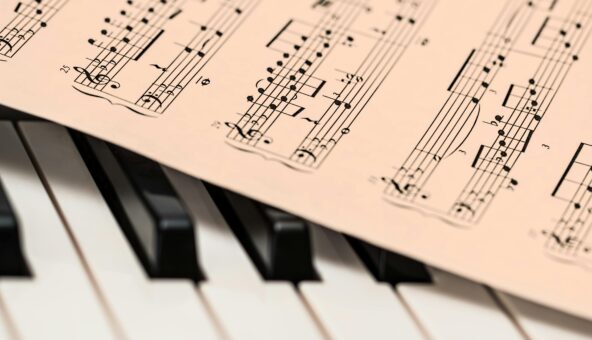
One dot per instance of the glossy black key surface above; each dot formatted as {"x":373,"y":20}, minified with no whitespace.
{"x":390,"y":267}
{"x":147,"y":208}
{"x":12,"y":259}
{"x":7,"y":113}
{"x":278,"y":243}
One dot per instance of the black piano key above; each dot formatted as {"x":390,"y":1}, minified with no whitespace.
{"x":278,"y":243}
{"x":390,"y":267}
{"x":12,"y":259}
{"x":147,"y":208}
{"x":7,"y":113}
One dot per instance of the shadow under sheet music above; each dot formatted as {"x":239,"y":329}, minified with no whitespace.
{"x":456,"y":132}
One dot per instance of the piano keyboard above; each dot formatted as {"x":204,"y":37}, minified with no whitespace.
{"x":99,"y":243}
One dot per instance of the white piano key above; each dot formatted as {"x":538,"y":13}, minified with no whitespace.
{"x":348,"y":301}
{"x":5,"y":331}
{"x":246,"y":306}
{"x":59,"y":302}
{"x":454,"y":308}
{"x":145,"y":309}
{"x":542,"y":323}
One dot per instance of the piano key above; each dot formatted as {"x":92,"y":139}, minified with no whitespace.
{"x":12,"y":260}
{"x":390,"y":267}
{"x":146,"y":207}
{"x":246,"y":306}
{"x":542,"y":323}
{"x":454,"y":308}
{"x":278,"y":243}
{"x":145,"y":309}
{"x":59,"y":302}
{"x":5,"y":330}
{"x":348,"y":301}
{"x":7,"y":113}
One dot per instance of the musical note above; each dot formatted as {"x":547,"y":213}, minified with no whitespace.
{"x":570,"y":238}
{"x":294,"y":78}
{"x":205,"y":82}
{"x":299,"y":102}
{"x":126,"y":42}
{"x":99,"y":79}
{"x":30,"y":16}
{"x":514,"y":123}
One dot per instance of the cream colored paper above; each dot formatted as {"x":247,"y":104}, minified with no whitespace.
{"x":456,"y":132}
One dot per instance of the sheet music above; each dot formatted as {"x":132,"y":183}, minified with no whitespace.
{"x":26,"y":20}
{"x":551,"y":52}
{"x":130,"y":33}
{"x":569,"y":238}
{"x":456,"y":132}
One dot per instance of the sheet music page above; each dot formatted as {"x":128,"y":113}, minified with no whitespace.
{"x":456,"y":132}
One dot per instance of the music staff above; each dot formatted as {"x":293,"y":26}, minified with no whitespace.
{"x":29,"y":18}
{"x":303,"y":49}
{"x":525,"y":107}
{"x":554,"y":47}
{"x":126,"y":37}
{"x":129,"y":36}
{"x":570,"y":239}
{"x":468,"y":87}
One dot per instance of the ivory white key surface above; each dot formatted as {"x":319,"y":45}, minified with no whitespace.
{"x":4,"y":330}
{"x":59,"y":302}
{"x":144,"y":308}
{"x":246,"y":306}
{"x":455,"y":308}
{"x":542,"y":323}
{"x":348,"y":300}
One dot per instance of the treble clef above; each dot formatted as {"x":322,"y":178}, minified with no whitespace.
{"x":99,"y":79}
{"x":250,"y":134}
{"x":238,"y":129}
